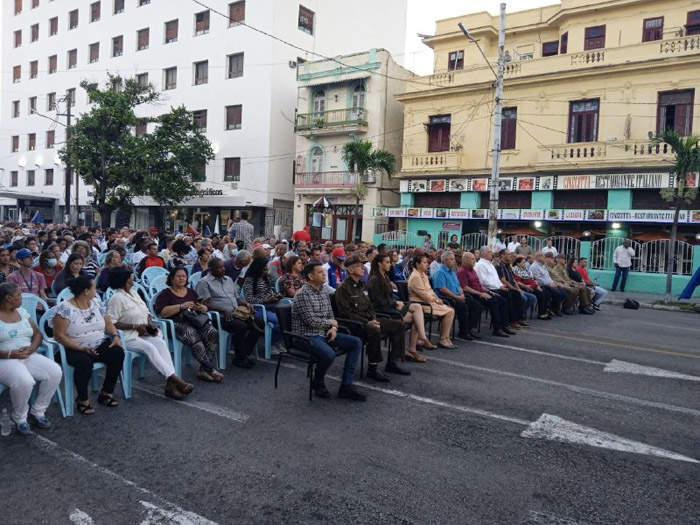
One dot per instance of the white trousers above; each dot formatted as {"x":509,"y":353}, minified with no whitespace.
{"x":21,"y":375}
{"x":155,"y":349}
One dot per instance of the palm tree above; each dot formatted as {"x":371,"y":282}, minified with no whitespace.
{"x":686,"y":151}
{"x":360,"y":157}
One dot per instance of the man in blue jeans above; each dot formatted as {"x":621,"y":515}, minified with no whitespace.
{"x":312,"y":316}
{"x":622,"y":257}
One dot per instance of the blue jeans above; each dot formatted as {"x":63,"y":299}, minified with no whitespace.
{"x":600,"y":294}
{"x":620,"y":272}
{"x":529,"y":301}
{"x":324,"y":351}
{"x":272,"y":319}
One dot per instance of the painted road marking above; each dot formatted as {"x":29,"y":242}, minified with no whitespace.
{"x":673,"y":327}
{"x":78,"y":517}
{"x":539,"y":352}
{"x":217,"y":410}
{"x":622,"y":367}
{"x":549,"y":518}
{"x":159,"y":516}
{"x":56,"y":450}
{"x":554,"y":428}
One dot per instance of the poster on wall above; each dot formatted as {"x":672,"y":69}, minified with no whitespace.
{"x":573,"y":215}
{"x":413,"y":213}
{"x":695,"y":216}
{"x":378,"y":212}
{"x":646,"y":215}
{"x":509,"y":214}
{"x":546,"y":183}
{"x":480,"y":184}
{"x":505,"y":184}
{"x":459,"y":214}
{"x":396,"y":212}
{"x":526,"y":183}
{"x":457,"y":185}
{"x":452,"y":226}
{"x":553,"y":215}
{"x":691,"y":180}
{"x":595,"y":215}
{"x":480,"y":214}
{"x":532,"y":215}
{"x":317,"y":219}
{"x":438,"y":185}
{"x":427,"y":213}
{"x":417,"y":186}
{"x":440,"y":213}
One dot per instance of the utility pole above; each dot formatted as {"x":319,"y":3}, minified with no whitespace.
{"x":497,"y":124}
{"x":69,"y":170}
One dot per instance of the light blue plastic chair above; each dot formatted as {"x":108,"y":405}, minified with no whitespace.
{"x":151,"y":273}
{"x":101,"y":259}
{"x":30,"y":303}
{"x":130,"y":356}
{"x":268,"y":326}
{"x":177,"y":347}
{"x":194,"y":279}
{"x":158,"y":284}
{"x":64,"y":295}
{"x":277,"y":284}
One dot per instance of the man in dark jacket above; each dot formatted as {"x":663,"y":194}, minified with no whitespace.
{"x":353,"y":303}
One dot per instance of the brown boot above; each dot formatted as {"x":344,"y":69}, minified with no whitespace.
{"x":181,"y":385}
{"x":172,"y":391}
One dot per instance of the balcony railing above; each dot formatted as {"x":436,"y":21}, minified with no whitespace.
{"x":327,"y":179}
{"x":331,"y":119}
{"x":444,"y":160}
{"x":642,"y":151}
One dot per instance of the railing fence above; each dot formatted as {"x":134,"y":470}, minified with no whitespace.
{"x":650,"y":257}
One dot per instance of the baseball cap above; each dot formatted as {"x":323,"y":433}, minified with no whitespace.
{"x":153,"y":229}
{"x":23,"y":254}
{"x":339,"y":253}
{"x":267,"y":246}
{"x":352,"y":261}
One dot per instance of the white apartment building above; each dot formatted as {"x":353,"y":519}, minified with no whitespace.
{"x":340,"y":100}
{"x":240,"y":83}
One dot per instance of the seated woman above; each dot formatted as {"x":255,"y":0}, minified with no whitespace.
{"x":81,"y":325}
{"x":524,"y":277}
{"x":202,"y":262}
{"x":204,"y":341}
{"x":382,"y":297}
{"x":49,"y":267}
{"x":90,"y":264}
{"x":20,"y":365}
{"x":130,"y":314}
{"x":112,"y":260}
{"x":396,"y":272}
{"x":5,"y":267}
{"x":419,"y":290}
{"x":73,"y":269}
{"x":178,"y":259}
{"x":291,"y":282}
{"x":258,"y":289}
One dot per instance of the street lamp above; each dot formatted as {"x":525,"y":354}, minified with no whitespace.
{"x":616,"y":225}
{"x":586,"y":233}
{"x":538,"y":224}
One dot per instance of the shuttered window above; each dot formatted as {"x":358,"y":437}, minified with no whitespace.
{"x":306,"y":20}
{"x":508,"y":200}
{"x":51,"y":102}
{"x":170,"y":78}
{"x":142,"y":39}
{"x":235,"y":65}
{"x":118,"y":7}
{"x":439,"y":133}
{"x":72,"y":58}
{"x":234,"y":117}
{"x":18,"y":38}
{"x":95,"y":11}
{"x":16,"y":74}
{"x":693,"y":25}
{"x":117,"y":46}
{"x":31,"y":177}
{"x":70,"y":94}
{"x":583,"y":120}
{"x":32,"y":105}
{"x":48,"y":177}
{"x":509,"y":124}
{"x":675,"y":112}
{"x":236,"y":13}
{"x":579,"y":199}
{"x":33,"y":69}
{"x":436,"y":200}
{"x":201,"y":72}
{"x":73,"y":19}
{"x":53,"y":64}
{"x":455,"y":61}
{"x":35,"y":4}
{"x":200,"y":119}
{"x":595,"y":38}
{"x":18,"y":6}
{"x":50,"y":138}
{"x":15,"y":108}
{"x":34,"y":32}
{"x":15,"y":144}
{"x":171,"y":30}
{"x":232,"y":169}
{"x":141,"y":129}
{"x":653,"y":29}
{"x":53,"y":26}
{"x":14,"y":178}
{"x":142,"y":79}
{"x":31,"y":141}
{"x":564,"y":43}
{"x":201,"y":23}
{"x":94,"y":52}
{"x":200,"y":174}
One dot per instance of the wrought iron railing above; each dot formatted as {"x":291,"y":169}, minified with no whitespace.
{"x":332,"y":118}
{"x":649,"y":257}
{"x":326,"y":179}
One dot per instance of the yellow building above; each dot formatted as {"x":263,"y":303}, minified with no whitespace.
{"x":587,"y":83}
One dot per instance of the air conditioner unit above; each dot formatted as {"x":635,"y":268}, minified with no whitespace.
{"x":234,"y":185}
{"x":369,"y":178}
{"x":293,"y":64}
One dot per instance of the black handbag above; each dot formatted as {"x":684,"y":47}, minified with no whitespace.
{"x":196,"y":320}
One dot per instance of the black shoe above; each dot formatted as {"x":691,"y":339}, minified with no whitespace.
{"x":557,"y":313}
{"x":585,"y":311}
{"x":376,"y":375}
{"x":596,"y":307}
{"x":508,"y":331}
{"x":321,"y":392}
{"x":465,"y":337}
{"x":569,"y":311}
{"x":392,"y":368}
{"x":500,"y":333}
{"x":243,"y":362}
{"x":350,"y":392}
{"x":475,"y":335}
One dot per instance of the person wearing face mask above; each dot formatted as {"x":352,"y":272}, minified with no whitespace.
{"x":49,"y":267}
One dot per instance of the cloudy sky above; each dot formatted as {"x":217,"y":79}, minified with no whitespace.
{"x":423,"y":14}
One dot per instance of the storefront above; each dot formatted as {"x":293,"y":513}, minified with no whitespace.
{"x":333,"y":222}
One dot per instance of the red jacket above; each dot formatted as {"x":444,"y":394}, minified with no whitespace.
{"x":584,"y":274}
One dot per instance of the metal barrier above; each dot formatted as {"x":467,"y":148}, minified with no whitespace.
{"x":602,"y":252}
{"x":654,"y":257}
{"x":566,"y":245}
{"x":474,"y":241}
{"x":401,"y":239}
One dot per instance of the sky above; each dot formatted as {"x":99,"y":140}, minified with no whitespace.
{"x":422,"y":15}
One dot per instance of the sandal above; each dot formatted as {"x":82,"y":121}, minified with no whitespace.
{"x":217,"y":376}
{"x":104,"y":399}
{"x":205,"y":376}
{"x":85,"y":410}
{"x":415,"y":357}
{"x":428,"y":345}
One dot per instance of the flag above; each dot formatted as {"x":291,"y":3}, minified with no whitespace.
{"x":207,"y":231}
{"x":216,"y":226}
{"x":19,"y":217}
{"x":38,"y":218}
{"x":191,"y":230}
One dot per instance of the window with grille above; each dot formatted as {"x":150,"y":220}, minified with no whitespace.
{"x":455,"y":61}
{"x":118,"y":7}
{"x":32,"y":105}
{"x":15,"y":108}
{"x":201,"y":72}
{"x":235,"y":65}
{"x":48,"y":177}
{"x":692,"y":26}
{"x":564,"y":43}
{"x":236,"y":13}
{"x":117,"y":85}
{"x":306,"y":20}
{"x":142,"y":39}
{"x":31,"y":141}
{"x":33,"y":69}
{"x":70,"y":94}
{"x":94,"y":52}
{"x":583,"y":120}
{"x":439,"y":133}
{"x":200,"y":174}
{"x":234,"y":117}
{"x":31,"y":174}
{"x":200,"y":119}
{"x":170,"y":78}
{"x":171,"y":31}
{"x":35,"y":3}
{"x":51,"y":102}
{"x":72,"y":58}
{"x":34,"y":30}
{"x":595,"y":38}
{"x":675,"y":112}
{"x":73,"y":19}
{"x":18,"y":38}
{"x":50,"y":138}
{"x":550,"y":49}
{"x":232,"y":169}
{"x":53,"y":64}
{"x":509,"y":124}
{"x":16,"y":74}
{"x":95,"y":11}
{"x":142,"y":79}
{"x":201,"y":23}
{"x":14,"y":178}
{"x":53,"y":26}
{"x":117,"y":46}
{"x":15,"y":143}
{"x":653,"y":29}
{"x":18,"y":6}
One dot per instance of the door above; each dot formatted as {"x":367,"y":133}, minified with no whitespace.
{"x":358,"y":104}
{"x":319,"y":104}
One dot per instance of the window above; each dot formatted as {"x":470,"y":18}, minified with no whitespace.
{"x":693,"y":25}
{"x":72,"y":58}
{"x":32,"y":105}
{"x":235,"y":65}
{"x":550,"y":49}
{"x":439,"y":133}
{"x":70,"y":95}
{"x":144,"y":2}
{"x":33,"y":69}
{"x":30,"y":177}
{"x":73,"y":19}
{"x":455,"y":61}
{"x":18,"y":38}
{"x":141,"y":129}
{"x":653,"y":29}
{"x":34,"y":31}
{"x":595,"y":38}
{"x":306,"y":20}
{"x":50,"y":138}
{"x":583,"y":120}
{"x":358,"y":102}
{"x":53,"y":26}
{"x":142,"y":38}
{"x":234,"y":117}
{"x":95,"y":11}
{"x":201,"y":23}
{"x":90,"y":89}
{"x":117,"y":85}
{"x":142,"y":79}
{"x":94,"y":51}
{"x":118,"y":7}
{"x":14,"y":178}
{"x":200,"y":174}
{"x":15,"y":144}
{"x":171,"y":29}
{"x":232,"y":169}
{"x":200,"y":119}
{"x":317,"y":160}
{"x":35,"y":4}
{"x":236,"y":13}
{"x":53,"y":64}
{"x":18,"y":6}
{"x":170,"y":78}
{"x":31,"y":141}
{"x":15,"y":108}
{"x":51,"y":102}
{"x":319,"y":104}
{"x":48,"y":177}
{"x":564,"y":43}
{"x":201,"y":72}
{"x":675,"y":112}
{"x":509,"y":124}
{"x":117,"y":46}
{"x":16,"y":74}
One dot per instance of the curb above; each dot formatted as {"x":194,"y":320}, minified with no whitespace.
{"x":649,"y":306}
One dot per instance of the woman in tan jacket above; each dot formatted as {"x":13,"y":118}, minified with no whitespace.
{"x":419,"y":289}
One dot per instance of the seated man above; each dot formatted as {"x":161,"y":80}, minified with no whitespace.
{"x":26,"y":278}
{"x":541,"y":274}
{"x":353,"y":303}
{"x":218,"y":293}
{"x":152,"y":258}
{"x":505,"y":272}
{"x":488,"y":276}
{"x":467,"y":310}
{"x":559,"y":274}
{"x":335,"y":274}
{"x":312,"y":316}
{"x":599,"y":292}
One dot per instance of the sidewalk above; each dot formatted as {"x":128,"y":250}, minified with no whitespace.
{"x":646,"y":300}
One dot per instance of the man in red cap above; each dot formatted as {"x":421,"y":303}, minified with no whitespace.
{"x":335,"y":272}
{"x":302,"y":235}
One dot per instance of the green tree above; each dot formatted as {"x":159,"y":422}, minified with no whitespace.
{"x":104,"y":150}
{"x":359,"y":156}
{"x":686,"y":160}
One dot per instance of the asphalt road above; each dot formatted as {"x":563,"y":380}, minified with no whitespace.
{"x":457,"y":442}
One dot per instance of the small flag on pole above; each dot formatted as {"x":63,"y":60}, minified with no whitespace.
{"x":191,"y":230}
{"x":207,"y":231}
{"x":19,"y":217}
{"x":38,"y":218}
{"x":216,"y":226}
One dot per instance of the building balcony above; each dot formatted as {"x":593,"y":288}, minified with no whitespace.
{"x":432,"y":162}
{"x":333,"y":122}
{"x":321,"y":181}
{"x":604,"y":154}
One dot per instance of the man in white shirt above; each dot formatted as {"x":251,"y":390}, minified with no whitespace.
{"x":487,"y":272}
{"x":513,"y":244}
{"x":550,"y":249}
{"x":622,"y":257}
{"x":500,"y":244}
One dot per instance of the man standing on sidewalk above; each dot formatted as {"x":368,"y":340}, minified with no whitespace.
{"x":622,"y":257}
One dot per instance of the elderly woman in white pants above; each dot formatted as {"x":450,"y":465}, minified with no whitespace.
{"x":130,"y":314}
{"x":20,"y":366}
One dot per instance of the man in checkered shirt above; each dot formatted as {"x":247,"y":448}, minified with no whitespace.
{"x":243,"y":231}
